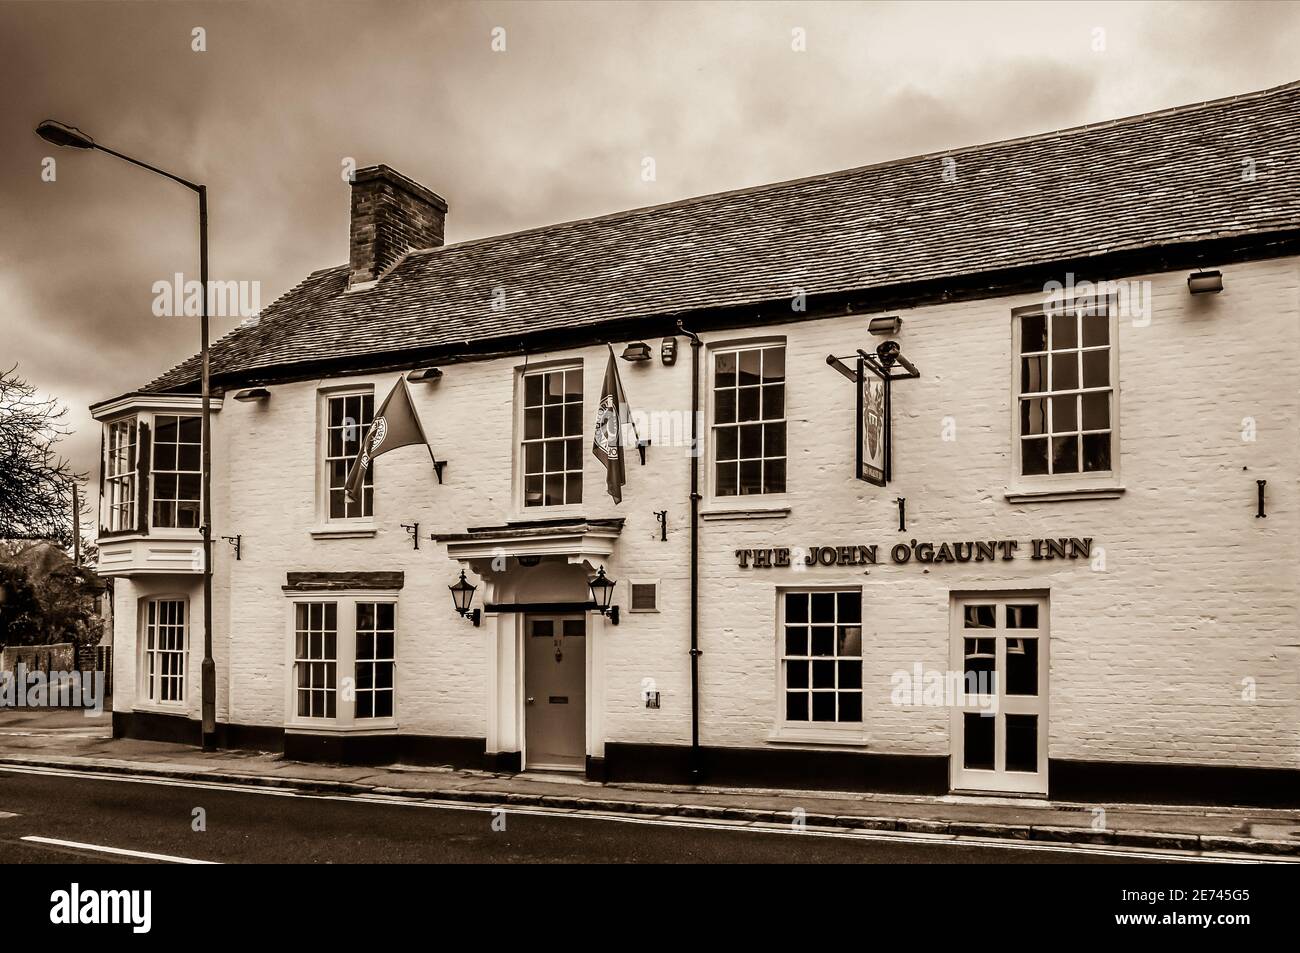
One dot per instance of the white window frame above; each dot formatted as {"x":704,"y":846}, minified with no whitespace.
{"x":323,"y":459}
{"x":122,"y":481}
{"x":374,"y":660}
{"x":711,"y":492}
{"x":345,"y":719}
{"x":522,"y":442}
{"x":1065,"y":482}
{"x":852,"y":733}
{"x":154,"y":472}
{"x":150,"y":674}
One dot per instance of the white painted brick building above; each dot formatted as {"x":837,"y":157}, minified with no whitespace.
{"x":1168,"y":651}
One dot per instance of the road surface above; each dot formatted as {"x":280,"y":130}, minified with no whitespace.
{"x":60,"y":818}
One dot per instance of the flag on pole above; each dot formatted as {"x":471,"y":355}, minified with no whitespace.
{"x":396,"y":425}
{"x":613,"y":424}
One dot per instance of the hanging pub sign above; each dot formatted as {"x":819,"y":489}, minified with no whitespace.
{"x":873,"y":377}
{"x":873,"y":425}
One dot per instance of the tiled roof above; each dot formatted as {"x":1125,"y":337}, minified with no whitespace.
{"x":1153,"y":180}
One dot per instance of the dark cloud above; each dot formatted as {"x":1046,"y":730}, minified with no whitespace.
{"x":553,"y":129}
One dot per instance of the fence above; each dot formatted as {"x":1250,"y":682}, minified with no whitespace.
{"x":58,"y":657}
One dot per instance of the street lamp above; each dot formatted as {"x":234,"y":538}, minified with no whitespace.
{"x":61,"y":134}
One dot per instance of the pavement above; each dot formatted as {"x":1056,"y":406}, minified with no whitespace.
{"x":70,"y":741}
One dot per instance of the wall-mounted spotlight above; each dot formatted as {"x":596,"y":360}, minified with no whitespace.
{"x":668,"y":351}
{"x":636,"y":352}
{"x":427,"y":375}
{"x":889,"y":325}
{"x":888,"y":352}
{"x":253,"y":394}
{"x":1205,"y":282}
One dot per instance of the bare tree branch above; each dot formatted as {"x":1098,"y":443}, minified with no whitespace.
{"x":35,"y":482}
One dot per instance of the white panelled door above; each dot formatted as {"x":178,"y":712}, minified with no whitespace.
{"x":555,"y":690}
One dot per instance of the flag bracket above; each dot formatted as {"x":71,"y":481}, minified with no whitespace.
{"x":640,"y":448}
{"x":236,"y":543}
{"x":662,"y":517}
{"x":437,"y":468}
{"x":413,"y":531}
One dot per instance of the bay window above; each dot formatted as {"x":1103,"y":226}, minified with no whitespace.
{"x":177,"y":477}
{"x":344,"y":661}
{"x":120,"y":475}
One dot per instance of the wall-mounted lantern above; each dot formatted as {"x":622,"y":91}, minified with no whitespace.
{"x":602,"y":592}
{"x":636,"y":352}
{"x":1205,"y":282}
{"x":462,"y":594}
{"x":253,"y":394}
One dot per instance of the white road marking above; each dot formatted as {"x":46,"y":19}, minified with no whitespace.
{"x":663,"y":820}
{"x":119,"y":851}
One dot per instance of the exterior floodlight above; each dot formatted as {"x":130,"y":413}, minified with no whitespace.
{"x":253,"y":394}
{"x":885,"y":325}
{"x":636,"y":352}
{"x":428,"y":375}
{"x":1205,"y":282}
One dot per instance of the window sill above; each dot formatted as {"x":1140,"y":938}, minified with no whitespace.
{"x":850,"y":736}
{"x":162,"y":708}
{"x":1064,"y":494}
{"x":373,"y":726}
{"x":745,"y":513}
{"x":358,"y":530}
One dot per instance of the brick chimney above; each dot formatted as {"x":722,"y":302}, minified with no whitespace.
{"x":391,"y":215}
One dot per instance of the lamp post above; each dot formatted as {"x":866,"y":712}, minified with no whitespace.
{"x":63,"y":135}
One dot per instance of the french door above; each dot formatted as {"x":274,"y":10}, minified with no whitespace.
{"x":999,"y":724}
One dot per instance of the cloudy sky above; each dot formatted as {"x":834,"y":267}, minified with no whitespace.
{"x":553,"y":128}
